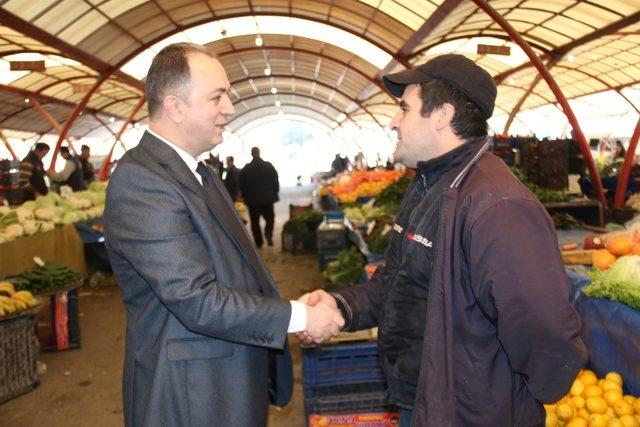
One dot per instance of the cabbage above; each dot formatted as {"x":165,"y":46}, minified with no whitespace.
{"x":30,"y":205}
{"x":98,"y":186}
{"x":9,"y":218}
{"x":620,"y":282}
{"x":49,"y":200}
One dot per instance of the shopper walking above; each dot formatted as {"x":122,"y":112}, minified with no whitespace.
{"x":259,"y":185}
{"x":232,"y":180}
{"x":32,"y":173}
{"x":475,"y":324}
{"x":206,"y":331}
{"x":88,"y":172}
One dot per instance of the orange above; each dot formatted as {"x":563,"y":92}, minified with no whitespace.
{"x":588,"y":378}
{"x":578,"y":402}
{"x":611,"y":385}
{"x":629,"y":399}
{"x":612,"y":396}
{"x":620,"y":245}
{"x":614,"y":376}
{"x":622,"y":407}
{"x":636,"y":406}
{"x":597,"y":420}
{"x":577,"y":388}
{"x":628,"y":421}
{"x":596,"y":405}
{"x":602,"y":259}
{"x":551,"y":421}
{"x":577,"y":422}
{"x":592,"y":391}
{"x":614,"y":422}
{"x":636,"y":249}
{"x":550,"y":408}
{"x":565,"y":411}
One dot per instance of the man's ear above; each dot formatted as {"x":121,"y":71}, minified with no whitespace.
{"x":173,"y":108}
{"x":444,"y":116}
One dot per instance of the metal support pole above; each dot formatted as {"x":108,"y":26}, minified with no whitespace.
{"x":562,"y":100}
{"x":625,"y":173}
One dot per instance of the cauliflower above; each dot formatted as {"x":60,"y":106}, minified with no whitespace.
{"x":46,"y":214}
{"x":23,"y":214}
{"x":30,"y":227}
{"x":13,"y":231}
{"x":46,"y":226}
{"x":4,"y":210}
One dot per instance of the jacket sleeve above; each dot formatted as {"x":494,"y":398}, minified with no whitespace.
{"x":148,"y":225}
{"x":520,"y":283}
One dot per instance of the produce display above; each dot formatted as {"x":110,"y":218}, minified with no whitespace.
{"x":48,"y":277}
{"x":619,"y":281}
{"x":347,"y":268}
{"x":378,"y":241}
{"x":12,"y":301}
{"x":543,"y":194}
{"x":368,"y":212}
{"x":303,"y":223}
{"x":353,"y":185}
{"x":46,"y":212}
{"x":593,"y":402}
{"x":393,"y":194}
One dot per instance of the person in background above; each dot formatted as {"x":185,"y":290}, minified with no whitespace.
{"x":88,"y":172}
{"x":232,"y":180}
{"x":260,"y":186}
{"x":472,"y":306}
{"x":338,"y":165}
{"x":619,"y":150}
{"x":71,"y":174}
{"x":206,"y":340}
{"x":32,"y":173}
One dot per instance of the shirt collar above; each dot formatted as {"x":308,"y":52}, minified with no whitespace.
{"x":192,"y":162}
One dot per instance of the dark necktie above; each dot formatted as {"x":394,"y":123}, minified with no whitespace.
{"x":229,"y":217}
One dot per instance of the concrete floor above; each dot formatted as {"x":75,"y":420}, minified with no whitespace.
{"x":83,"y":387}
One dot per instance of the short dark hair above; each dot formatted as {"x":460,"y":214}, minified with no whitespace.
{"x":84,"y":147}
{"x":64,"y":150}
{"x":42,"y":146}
{"x":230,"y":158}
{"x":467,"y":122}
{"x":169,"y":73}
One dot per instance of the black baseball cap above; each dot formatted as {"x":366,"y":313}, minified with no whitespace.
{"x":457,"y":71}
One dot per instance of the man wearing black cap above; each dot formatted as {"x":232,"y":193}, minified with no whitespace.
{"x":475,"y":327}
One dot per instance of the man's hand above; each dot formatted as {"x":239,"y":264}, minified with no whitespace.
{"x":315,"y":301}
{"x":323,"y":322}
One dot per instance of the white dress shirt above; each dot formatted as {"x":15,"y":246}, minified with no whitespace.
{"x":298,"y":320}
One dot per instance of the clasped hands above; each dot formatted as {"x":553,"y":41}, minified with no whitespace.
{"x":324,"y":320}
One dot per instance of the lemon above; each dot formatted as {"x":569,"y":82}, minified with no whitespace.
{"x":614,"y":422}
{"x":592,"y":391}
{"x":565,"y":411}
{"x":636,"y":406}
{"x":615,"y":377}
{"x":612,"y":396}
{"x":550,"y":408}
{"x":577,"y":388}
{"x":551,"y":421}
{"x":628,"y":421}
{"x":583,"y":413}
{"x":578,"y":402}
{"x":610,"y":413}
{"x":577,"y":422}
{"x":596,"y":405}
{"x":597,"y":420}
{"x":622,"y":407}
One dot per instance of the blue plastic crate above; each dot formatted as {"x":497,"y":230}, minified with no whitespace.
{"x":314,"y":392}
{"x":348,"y":403}
{"x":347,"y":363}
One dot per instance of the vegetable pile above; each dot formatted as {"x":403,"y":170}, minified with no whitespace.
{"x":46,"y":212}
{"x":50,"y":276}
{"x":619,"y":282}
{"x":543,"y":194}
{"x":347,"y":268}
{"x":303,"y":223}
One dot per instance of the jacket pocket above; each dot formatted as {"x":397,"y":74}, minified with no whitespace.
{"x":198,"y":348}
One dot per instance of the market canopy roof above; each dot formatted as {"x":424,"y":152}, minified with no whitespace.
{"x":325,"y":58}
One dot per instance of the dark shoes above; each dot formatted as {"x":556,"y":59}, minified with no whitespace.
{"x":269,"y":241}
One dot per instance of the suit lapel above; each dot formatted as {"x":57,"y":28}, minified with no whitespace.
{"x":222,"y":209}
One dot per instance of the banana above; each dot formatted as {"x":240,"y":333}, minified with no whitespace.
{"x":2,"y":312}
{"x":20,"y":305}
{"x":4,"y":298}
{"x":7,"y":288}
{"x":24,"y":296}
{"x":8,"y":306}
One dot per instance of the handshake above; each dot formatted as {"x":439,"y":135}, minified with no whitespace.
{"x":324,"y":320}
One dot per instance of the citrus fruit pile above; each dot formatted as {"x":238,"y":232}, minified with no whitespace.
{"x":594,"y":402}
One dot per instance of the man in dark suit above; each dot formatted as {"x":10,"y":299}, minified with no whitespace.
{"x":259,"y":186}
{"x":206,"y":330}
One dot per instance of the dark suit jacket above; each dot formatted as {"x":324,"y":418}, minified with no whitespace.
{"x":203,"y":314}
{"x":259,"y":182}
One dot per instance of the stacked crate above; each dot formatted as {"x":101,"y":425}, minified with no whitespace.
{"x":503,"y":148}
{"x":546,"y":163}
{"x":9,"y":181}
{"x":344,"y":380}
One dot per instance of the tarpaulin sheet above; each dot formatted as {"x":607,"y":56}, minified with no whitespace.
{"x":611,"y":333}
